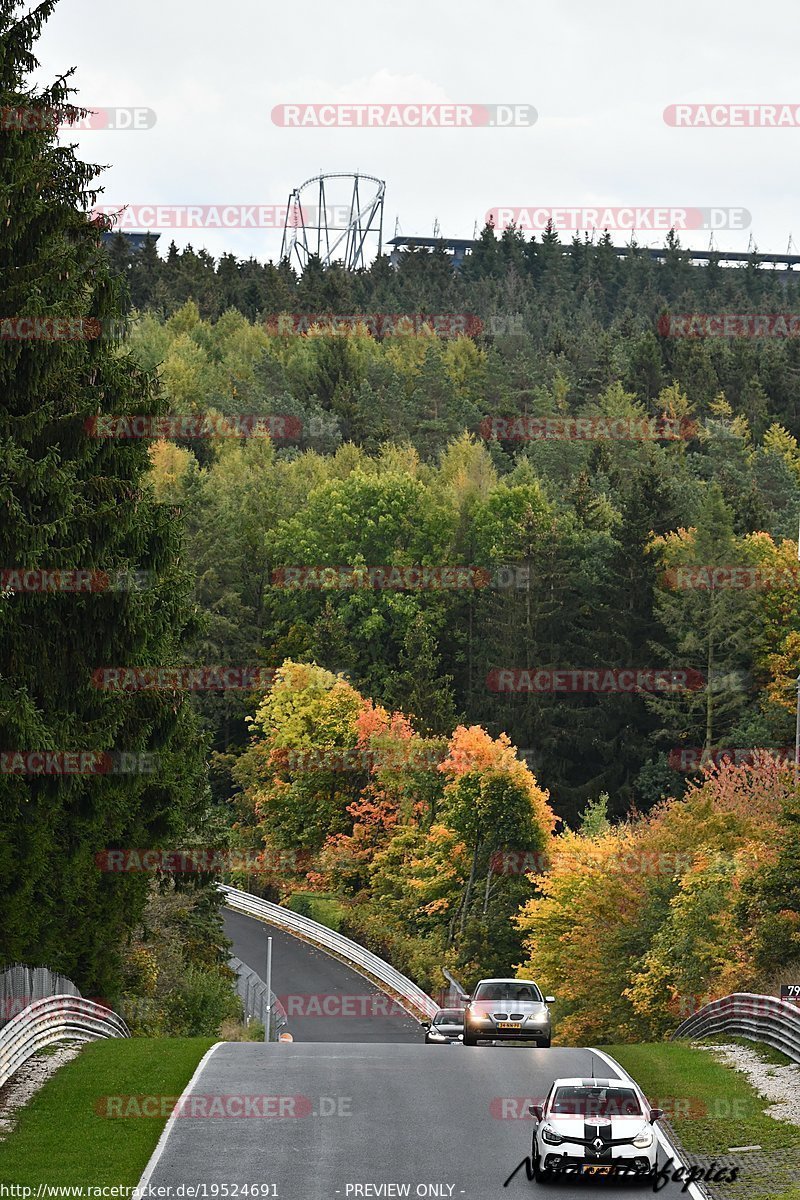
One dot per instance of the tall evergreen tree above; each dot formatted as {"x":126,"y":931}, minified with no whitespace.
{"x":73,"y":501}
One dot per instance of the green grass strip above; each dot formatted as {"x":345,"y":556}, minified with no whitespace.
{"x":711,"y":1107}
{"x":61,"y":1138}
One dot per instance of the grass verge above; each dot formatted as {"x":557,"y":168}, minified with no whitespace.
{"x":710,"y":1107}
{"x":319,"y":906}
{"x":61,"y":1138}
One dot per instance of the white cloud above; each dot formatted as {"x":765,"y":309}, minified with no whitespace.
{"x":599,"y":76}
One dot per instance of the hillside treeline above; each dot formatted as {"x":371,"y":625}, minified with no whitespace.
{"x":575,"y":549}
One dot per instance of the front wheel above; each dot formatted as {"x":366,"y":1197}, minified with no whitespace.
{"x":470,"y":1039}
{"x":539,"y":1174}
{"x":545,"y":1045}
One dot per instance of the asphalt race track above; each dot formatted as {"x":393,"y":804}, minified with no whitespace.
{"x":429,"y":1117}
{"x":307,"y":980}
{"x":351,"y":1109}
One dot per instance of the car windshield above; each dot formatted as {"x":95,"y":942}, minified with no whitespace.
{"x":508,"y":991}
{"x":449,"y":1016}
{"x":579,"y":1101}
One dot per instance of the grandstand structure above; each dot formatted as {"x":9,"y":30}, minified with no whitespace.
{"x":460,"y":248}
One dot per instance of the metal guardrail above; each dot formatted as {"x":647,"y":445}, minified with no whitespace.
{"x":399,"y":986}
{"x":20,"y":985}
{"x":54,"y":1019}
{"x":760,"y":1018}
{"x":258,"y":1002}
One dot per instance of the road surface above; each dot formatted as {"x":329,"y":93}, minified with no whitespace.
{"x":325,"y":1000}
{"x":344,"y":1119}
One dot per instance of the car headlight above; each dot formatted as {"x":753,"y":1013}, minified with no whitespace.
{"x":643,"y":1139}
{"x":539,"y":1017}
{"x":550,"y":1136}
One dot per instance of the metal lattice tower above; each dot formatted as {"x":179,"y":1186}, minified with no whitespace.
{"x":340,"y":232}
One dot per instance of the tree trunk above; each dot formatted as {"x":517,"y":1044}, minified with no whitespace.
{"x":486,"y":891}
{"x":468,"y":892}
{"x":709,"y":695}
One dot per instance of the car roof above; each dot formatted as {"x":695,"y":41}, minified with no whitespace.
{"x":451,"y":1012}
{"x":509,"y":979}
{"x":582,"y":1081}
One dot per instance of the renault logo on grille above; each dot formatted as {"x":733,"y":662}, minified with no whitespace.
{"x":598,"y":1143}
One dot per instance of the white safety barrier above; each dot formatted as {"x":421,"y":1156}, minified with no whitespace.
{"x":54,"y":1019}
{"x":760,"y":1018}
{"x":400,"y":987}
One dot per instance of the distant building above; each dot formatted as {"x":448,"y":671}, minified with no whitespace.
{"x":459,"y":248}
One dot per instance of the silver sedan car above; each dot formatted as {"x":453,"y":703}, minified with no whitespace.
{"x":507,"y":1010}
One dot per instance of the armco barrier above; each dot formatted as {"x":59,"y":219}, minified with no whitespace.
{"x":54,"y":1019}
{"x":257,"y":1002}
{"x":20,"y":985}
{"x":760,"y":1018}
{"x":411,"y":997}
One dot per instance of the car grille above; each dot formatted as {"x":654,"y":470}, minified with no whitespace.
{"x":508,"y":1016}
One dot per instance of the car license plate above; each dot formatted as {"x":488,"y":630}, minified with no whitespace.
{"x":509,"y":1024}
{"x":597,"y":1169}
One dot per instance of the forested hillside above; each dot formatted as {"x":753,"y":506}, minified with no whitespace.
{"x":466,"y":633}
{"x":381,"y":777}
{"x":575,"y":542}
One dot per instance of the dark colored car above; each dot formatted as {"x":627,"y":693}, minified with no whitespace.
{"x":447,"y":1026}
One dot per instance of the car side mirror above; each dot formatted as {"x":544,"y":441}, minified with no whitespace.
{"x":656,"y":1114}
{"x":536,"y":1110}
{"x":425,"y":1024}
{"x":549,"y":999}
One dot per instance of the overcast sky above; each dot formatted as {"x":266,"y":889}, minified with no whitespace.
{"x":599,"y":76}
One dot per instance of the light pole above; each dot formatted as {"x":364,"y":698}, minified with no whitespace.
{"x":268,"y":981}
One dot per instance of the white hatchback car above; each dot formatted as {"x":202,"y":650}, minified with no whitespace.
{"x":593,"y":1127}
